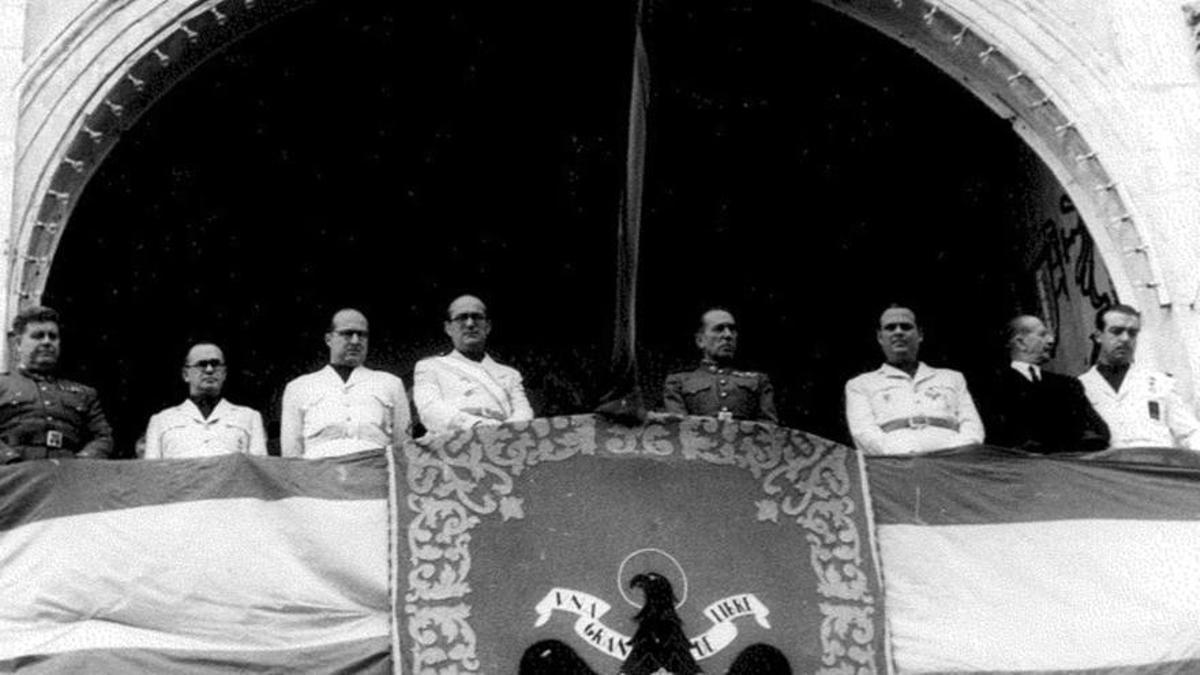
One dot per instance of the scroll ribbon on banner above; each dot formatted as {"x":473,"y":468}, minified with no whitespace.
{"x":591,"y":609}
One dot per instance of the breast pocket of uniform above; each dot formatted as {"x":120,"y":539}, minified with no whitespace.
{"x":75,"y":404}
{"x":941,"y":400}
{"x":746,"y":385}
{"x":466,"y":389}
{"x":13,"y":403}
{"x":384,"y":408}
{"x":891,"y":401}
{"x":320,"y":412}
{"x":238,"y":436}
{"x":696,"y":387}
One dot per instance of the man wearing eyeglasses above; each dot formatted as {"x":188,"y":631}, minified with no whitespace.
{"x":345,"y":407}
{"x":906,"y":406}
{"x":43,"y":416}
{"x":205,"y":424}
{"x":467,"y":387}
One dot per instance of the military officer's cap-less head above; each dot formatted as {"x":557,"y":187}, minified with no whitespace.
{"x":1029,"y":340}
{"x":468,"y":326}
{"x":899,"y":336}
{"x":36,"y":332}
{"x":1117,"y":331}
{"x":204,"y":371}
{"x":347,"y":338}
{"x":717,"y":336}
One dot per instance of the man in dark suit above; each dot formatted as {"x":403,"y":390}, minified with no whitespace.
{"x":1036,"y":410}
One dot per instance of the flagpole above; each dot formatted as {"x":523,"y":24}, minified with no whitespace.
{"x":625,"y":399}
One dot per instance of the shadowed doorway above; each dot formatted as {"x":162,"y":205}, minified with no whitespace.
{"x":802,"y":170}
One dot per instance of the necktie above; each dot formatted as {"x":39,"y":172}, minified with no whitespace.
{"x":1034,"y":375}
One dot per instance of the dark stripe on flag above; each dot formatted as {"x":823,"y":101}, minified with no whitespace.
{"x":992,"y":485}
{"x":359,"y":656}
{"x":54,"y":489}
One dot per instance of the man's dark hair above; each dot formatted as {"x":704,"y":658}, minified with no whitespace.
{"x":200,"y":343}
{"x":35,"y":314}
{"x":1119,"y":309}
{"x":899,"y":305}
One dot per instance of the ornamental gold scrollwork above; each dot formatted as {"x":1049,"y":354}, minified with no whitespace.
{"x":455,"y":480}
{"x":842,"y":624}
{"x":452,"y":481}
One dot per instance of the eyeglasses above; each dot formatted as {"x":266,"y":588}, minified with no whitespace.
{"x":469,"y":316}
{"x":213,"y":364}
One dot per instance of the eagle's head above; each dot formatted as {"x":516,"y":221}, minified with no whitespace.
{"x":656,"y":588}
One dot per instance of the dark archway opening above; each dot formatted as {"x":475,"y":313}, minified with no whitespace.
{"x":803,"y":170}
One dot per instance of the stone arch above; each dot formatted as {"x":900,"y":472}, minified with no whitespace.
{"x":1003,"y":55}
{"x":115,"y":60}
{"x":107,"y":67}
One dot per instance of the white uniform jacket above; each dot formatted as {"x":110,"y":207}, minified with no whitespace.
{"x":1147,"y":411}
{"x":323,"y":416}
{"x":890,"y":413}
{"x":454,"y":392}
{"x":182,"y":431}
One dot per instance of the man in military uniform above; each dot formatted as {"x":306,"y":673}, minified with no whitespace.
{"x":715,"y":388}
{"x":41,"y":415}
{"x":1141,"y":406}
{"x":906,"y":406}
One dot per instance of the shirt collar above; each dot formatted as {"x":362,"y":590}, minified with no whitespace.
{"x":190,"y":408}
{"x":454,"y":353}
{"x":332,"y":374}
{"x":1026,"y":369}
{"x":923,"y":371}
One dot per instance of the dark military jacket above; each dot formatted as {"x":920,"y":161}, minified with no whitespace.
{"x":42,"y":416}
{"x":721,"y":392}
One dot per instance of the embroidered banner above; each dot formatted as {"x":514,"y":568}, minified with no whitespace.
{"x":591,"y":628}
{"x":501,"y":528}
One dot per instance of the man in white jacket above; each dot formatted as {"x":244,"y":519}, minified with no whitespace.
{"x":906,"y":406}
{"x":206,"y":423}
{"x":1140,"y":405}
{"x":467,"y":387}
{"x":344,"y":407}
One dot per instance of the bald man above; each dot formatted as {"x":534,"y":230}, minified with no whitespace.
{"x":1033,"y":409}
{"x":345,"y":407}
{"x":906,"y":406}
{"x":467,"y":387}
{"x":715,"y":387}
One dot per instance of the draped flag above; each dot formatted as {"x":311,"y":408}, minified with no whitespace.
{"x":996,"y":561}
{"x":524,"y":544}
{"x":488,"y":550}
{"x":225,"y":564}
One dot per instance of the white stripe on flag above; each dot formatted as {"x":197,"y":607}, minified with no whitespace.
{"x":228,"y":574}
{"x":1042,"y":596}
